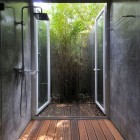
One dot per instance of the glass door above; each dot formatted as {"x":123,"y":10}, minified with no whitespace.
{"x":99,"y":61}
{"x":43,"y":65}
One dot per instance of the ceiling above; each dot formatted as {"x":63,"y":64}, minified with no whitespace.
{"x":73,"y":1}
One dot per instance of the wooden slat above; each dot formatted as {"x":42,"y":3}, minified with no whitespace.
{"x":71,"y":130}
{"x":43,"y":130}
{"x":51,"y":110}
{"x":113,"y":130}
{"x":82,"y":130}
{"x":75,"y":110}
{"x":90,"y":110}
{"x":96,"y":110}
{"x":105,"y":130}
{"x":36,"y":129}
{"x":59,"y":110}
{"x":67,"y":111}
{"x":51,"y":131}
{"x":48,"y":111}
{"x":74,"y":130}
{"x":90,"y":130}
{"x":98,"y":130}
{"x":28,"y":130}
{"x":67,"y":131}
{"x":71,"y":110}
{"x":83,"y":111}
{"x":87,"y":109}
{"x":59,"y":130}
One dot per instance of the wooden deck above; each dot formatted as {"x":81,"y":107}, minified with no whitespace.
{"x":71,"y":130}
{"x":88,"y":110}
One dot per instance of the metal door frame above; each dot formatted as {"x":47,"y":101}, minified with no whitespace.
{"x":104,"y":107}
{"x":35,"y":109}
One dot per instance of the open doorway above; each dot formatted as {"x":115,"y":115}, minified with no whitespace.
{"x":74,"y":70}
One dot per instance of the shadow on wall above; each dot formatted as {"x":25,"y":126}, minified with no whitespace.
{"x":11,"y":57}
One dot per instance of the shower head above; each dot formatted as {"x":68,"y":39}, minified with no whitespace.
{"x":41,"y":16}
{"x":2,"y":6}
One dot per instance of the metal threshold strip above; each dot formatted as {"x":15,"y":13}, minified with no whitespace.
{"x":69,"y":118}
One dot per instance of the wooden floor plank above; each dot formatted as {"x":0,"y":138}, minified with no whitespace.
{"x":51,"y":131}
{"x":89,"y":109}
{"x":45,"y":112}
{"x":105,"y":130}
{"x":52,"y":110}
{"x":74,"y":130}
{"x":113,"y":130}
{"x":67,"y":111}
{"x":90,"y":130}
{"x":49,"y":111}
{"x":71,"y":110}
{"x":96,"y":110}
{"x":43,"y":130}
{"x":82,"y":130}
{"x":83,"y":112}
{"x":67,"y":131}
{"x":98,"y":130}
{"x":59,"y":130}
{"x":71,"y":130}
{"x":59,"y":110}
{"x":34,"y":133}
{"x":28,"y":130}
{"x":75,"y":110}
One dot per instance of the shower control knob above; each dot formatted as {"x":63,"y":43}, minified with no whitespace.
{"x":18,"y":70}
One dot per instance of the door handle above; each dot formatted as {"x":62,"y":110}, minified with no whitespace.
{"x":97,"y":69}
{"x":44,"y":83}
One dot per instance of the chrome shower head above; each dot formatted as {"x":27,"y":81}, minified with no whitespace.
{"x":41,"y":16}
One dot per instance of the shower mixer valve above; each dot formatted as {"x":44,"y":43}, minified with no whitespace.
{"x":18,"y":70}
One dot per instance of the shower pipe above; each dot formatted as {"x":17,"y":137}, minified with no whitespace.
{"x":121,"y":19}
{"x":22,"y":69}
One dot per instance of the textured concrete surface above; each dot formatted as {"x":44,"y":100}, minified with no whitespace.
{"x":0,"y":84}
{"x":125,"y":70}
{"x":12,"y":124}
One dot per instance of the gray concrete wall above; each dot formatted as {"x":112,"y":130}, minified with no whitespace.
{"x":12,"y":123}
{"x":125,"y":70}
{"x":0,"y":85}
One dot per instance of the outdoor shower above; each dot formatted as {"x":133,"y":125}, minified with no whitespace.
{"x":22,"y":70}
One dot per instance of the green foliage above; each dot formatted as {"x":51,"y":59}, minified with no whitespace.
{"x":69,"y":21}
{"x":70,"y":25}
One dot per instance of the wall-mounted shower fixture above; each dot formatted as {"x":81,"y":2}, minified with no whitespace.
{"x":41,"y":16}
{"x":122,"y":18}
{"x":2,"y":6}
{"x":22,"y":71}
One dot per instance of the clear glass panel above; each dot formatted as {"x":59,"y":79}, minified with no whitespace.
{"x":100,"y":27}
{"x":42,"y":63}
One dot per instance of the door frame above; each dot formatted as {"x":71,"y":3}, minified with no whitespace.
{"x":38,"y":110}
{"x":35,"y":109}
{"x":104,"y":108}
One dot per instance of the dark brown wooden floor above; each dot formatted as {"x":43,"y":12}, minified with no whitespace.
{"x":71,"y":130}
{"x":71,"y":110}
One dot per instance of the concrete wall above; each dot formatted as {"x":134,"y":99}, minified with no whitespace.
{"x":12,"y":123}
{"x":125,"y":70}
{"x":0,"y":85}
